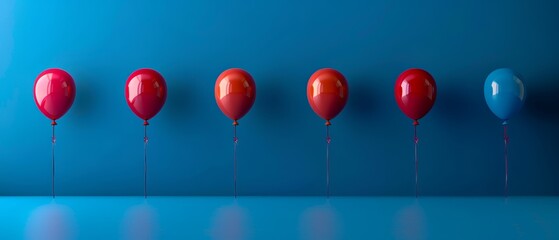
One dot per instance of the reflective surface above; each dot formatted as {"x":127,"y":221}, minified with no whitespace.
{"x":327,"y":93}
{"x":305,"y":218}
{"x":50,"y":222}
{"x":504,"y":93}
{"x":145,"y":93}
{"x":235,"y":92}
{"x":415,"y":93}
{"x":54,"y":92}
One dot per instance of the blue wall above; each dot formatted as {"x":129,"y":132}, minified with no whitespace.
{"x":281,"y":43}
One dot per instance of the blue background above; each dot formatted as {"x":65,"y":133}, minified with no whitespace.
{"x":282,"y":148}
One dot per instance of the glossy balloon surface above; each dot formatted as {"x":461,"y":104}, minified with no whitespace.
{"x":145,"y":93}
{"x":54,"y":92}
{"x":504,"y":93}
{"x":235,"y":93}
{"x":415,"y":91}
{"x":327,"y":93}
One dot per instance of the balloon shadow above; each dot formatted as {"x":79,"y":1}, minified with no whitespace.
{"x":230,"y":223}
{"x":81,"y":110}
{"x":140,"y":223}
{"x":363,"y":100}
{"x":51,"y":222}
{"x":272,"y":104}
{"x":319,"y":222}
{"x":540,"y":100}
{"x":181,"y":104}
{"x":453,"y":104}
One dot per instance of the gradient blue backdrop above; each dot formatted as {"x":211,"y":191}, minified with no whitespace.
{"x":282,"y":147}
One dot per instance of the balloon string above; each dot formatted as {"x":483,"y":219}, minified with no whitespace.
{"x":235,"y":141}
{"x":53,"y":142}
{"x":328,"y":140}
{"x":416,"y":141}
{"x":506,"y":140}
{"x":145,"y":160}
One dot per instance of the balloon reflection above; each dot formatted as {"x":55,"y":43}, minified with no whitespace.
{"x":410,"y":223}
{"x":230,"y":223}
{"x":140,"y":223}
{"x":51,"y":222}
{"x":319,"y":223}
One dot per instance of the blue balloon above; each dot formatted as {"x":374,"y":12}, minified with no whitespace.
{"x":504,"y":93}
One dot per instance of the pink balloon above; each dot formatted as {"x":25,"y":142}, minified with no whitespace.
{"x":54,"y":93}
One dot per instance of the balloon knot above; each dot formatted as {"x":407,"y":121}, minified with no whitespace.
{"x":505,"y":123}
{"x":328,"y":123}
{"x":146,"y":122}
{"x":415,"y":122}
{"x":235,"y":139}
{"x":53,"y":123}
{"x":235,"y":123}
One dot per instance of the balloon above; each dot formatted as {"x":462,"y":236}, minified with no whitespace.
{"x":415,"y":93}
{"x":504,"y":93}
{"x":327,"y":92}
{"x":145,"y":93}
{"x":54,"y":92}
{"x":235,"y":92}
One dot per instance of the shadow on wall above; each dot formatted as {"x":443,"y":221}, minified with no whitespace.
{"x":183,"y":100}
{"x":85,"y":102}
{"x":274,"y":101}
{"x":456,"y":105}
{"x":364,"y":102}
{"x":540,"y":100}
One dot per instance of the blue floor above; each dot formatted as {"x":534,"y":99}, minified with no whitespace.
{"x":41,"y":218}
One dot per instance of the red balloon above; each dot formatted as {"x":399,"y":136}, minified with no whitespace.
{"x":235,"y":92}
{"x":145,"y":93}
{"x":415,"y":93}
{"x":327,"y":92}
{"x":54,"y":92}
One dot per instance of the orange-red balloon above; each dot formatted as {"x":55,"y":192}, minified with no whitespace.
{"x":235,"y":92}
{"x":327,"y":92}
